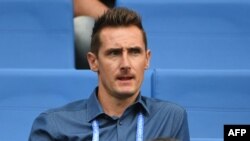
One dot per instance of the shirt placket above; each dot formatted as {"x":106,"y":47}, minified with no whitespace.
{"x":121,"y":129}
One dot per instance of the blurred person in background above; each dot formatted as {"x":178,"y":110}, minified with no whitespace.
{"x":85,"y":14}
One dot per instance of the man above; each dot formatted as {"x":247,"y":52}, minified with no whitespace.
{"x":116,"y":111}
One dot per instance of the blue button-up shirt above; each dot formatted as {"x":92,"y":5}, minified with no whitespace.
{"x":73,"y":122}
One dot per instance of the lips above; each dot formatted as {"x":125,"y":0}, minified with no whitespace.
{"x":125,"y":78}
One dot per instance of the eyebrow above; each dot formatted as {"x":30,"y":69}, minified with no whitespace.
{"x":113,"y":50}
{"x":118,"y":49}
{"x":135,"y":48}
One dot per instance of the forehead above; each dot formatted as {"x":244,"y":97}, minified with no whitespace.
{"x":122,"y":37}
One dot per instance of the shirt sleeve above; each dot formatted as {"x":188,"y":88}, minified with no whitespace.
{"x":42,"y":129}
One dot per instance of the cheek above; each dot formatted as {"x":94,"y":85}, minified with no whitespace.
{"x":107,"y":70}
{"x":140,"y":69}
{"x":141,"y":65}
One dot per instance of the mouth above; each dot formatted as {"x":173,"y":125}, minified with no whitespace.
{"x":125,"y":78}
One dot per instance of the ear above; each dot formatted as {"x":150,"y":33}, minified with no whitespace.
{"x":148,"y":57}
{"x":93,"y":62}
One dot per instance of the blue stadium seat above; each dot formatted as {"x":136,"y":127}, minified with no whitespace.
{"x":212,"y":98}
{"x":146,"y":88}
{"x":196,"y":34}
{"x":26,"y":93}
{"x":36,"y":34}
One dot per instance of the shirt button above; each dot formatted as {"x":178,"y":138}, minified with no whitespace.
{"x":120,"y":123}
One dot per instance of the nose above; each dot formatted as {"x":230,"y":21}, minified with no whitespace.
{"x":125,"y":62}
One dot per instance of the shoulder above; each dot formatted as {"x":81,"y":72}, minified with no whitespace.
{"x":164,"y":107}
{"x":62,"y":112}
{"x":52,"y":117}
{"x":50,"y":123}
{"x":168,"y":117}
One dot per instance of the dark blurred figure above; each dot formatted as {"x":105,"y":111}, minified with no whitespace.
{"x":86,"y":12}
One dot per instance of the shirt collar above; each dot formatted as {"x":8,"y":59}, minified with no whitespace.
{"x":94,"y":108}
{"x":141,"y":101}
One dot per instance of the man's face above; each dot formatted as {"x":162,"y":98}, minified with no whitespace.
{"x":121,"y":61}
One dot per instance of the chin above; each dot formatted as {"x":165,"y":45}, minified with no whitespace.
{"x":126,"y":93}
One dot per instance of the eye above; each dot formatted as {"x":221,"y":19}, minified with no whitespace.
{"x":135,"y":51}
{"x":114,"y":52}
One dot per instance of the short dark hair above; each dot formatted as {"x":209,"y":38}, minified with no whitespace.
{"x":115,"y":17}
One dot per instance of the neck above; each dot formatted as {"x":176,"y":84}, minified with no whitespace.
{"x":114,"y":106}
